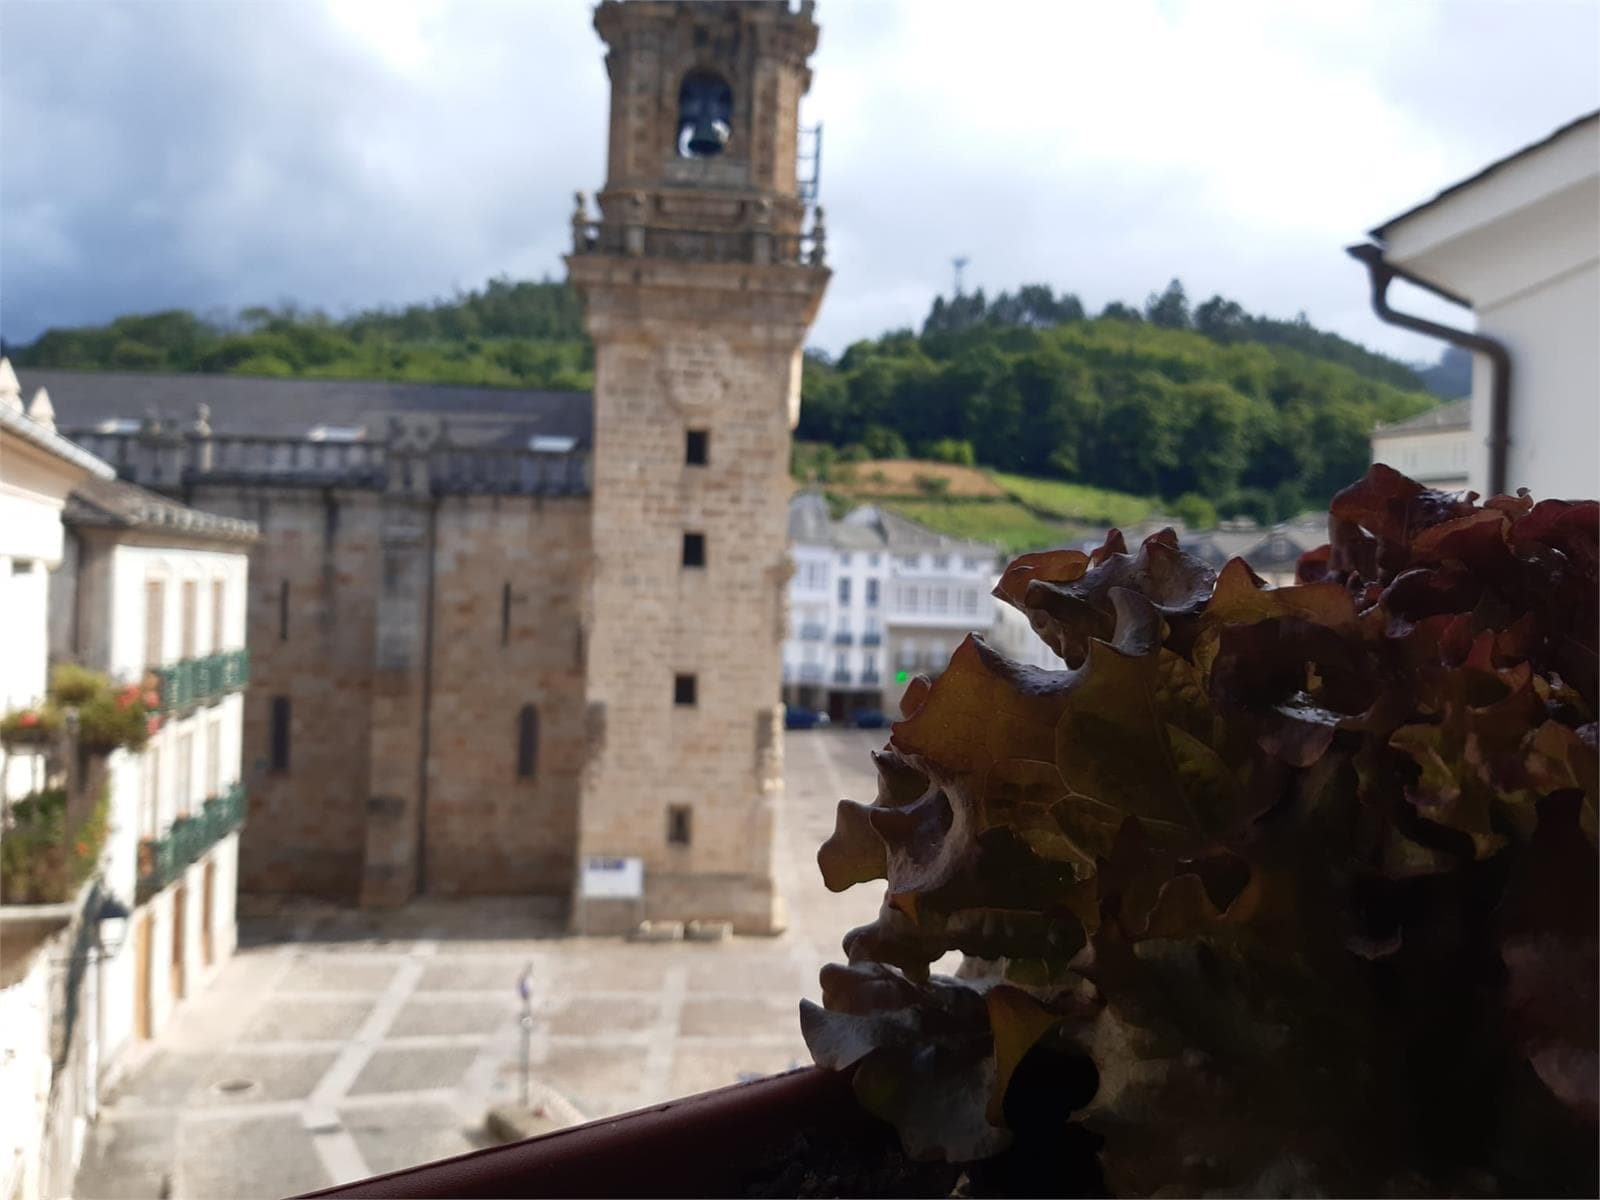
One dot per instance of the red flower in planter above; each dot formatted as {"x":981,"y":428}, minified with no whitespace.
{"x":125,"y":700}
{"x":152,"y":725}
{"x":28,"y":720}
{"x":82,"y":848}
{"x":152,"y":699}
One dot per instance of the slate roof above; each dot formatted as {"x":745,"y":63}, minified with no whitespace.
{"x":1455,"y":415}
{"x":291,"y":408}
{"x":112,"y":504}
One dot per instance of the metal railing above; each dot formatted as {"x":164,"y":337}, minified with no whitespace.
{"x":812,"y":633}
{"x":756,"y":246}
{"x":844,"y":637}
{"x":870,"y":678}
{"x":841,"y":676}
{"x":811,"y":672}
{"x":203,"y":680}
{"x":163,"y":859}
{"x":871,"y":639}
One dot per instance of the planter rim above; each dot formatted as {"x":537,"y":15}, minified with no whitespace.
{"x":697,"y":1145}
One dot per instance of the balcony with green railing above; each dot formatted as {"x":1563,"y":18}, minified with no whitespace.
{"x":204,"y":680}
{"x":162,"y":860}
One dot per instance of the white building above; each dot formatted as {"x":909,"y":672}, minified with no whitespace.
{"x":1519,"y":243}
{"x":40,"y":1114}
{"x":120,"y":580}
{"x":148,"y":586}
{"x":1434,"y":447}
{"x":874,"y":600}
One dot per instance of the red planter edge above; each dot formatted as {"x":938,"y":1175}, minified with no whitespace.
{"x":700,"y":1145}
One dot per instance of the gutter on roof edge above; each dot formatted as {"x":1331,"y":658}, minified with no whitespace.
{"x":1381,"y":273}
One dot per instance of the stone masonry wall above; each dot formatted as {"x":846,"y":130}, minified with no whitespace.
{"x":306,"y":831}
{"x":346,"y":820}
{"x":487,"y":829}
{"x":653,"y":618}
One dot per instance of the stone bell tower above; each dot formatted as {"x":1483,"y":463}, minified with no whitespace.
{"x":699,"y":281}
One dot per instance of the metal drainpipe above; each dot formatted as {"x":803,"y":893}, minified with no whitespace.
{"x":1381,"y":272}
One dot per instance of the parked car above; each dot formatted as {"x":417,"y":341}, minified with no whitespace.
{"x":795,"y":717}
{"x":868,"y":718}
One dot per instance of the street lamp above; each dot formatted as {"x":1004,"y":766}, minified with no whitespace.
{"x":112,"y":925}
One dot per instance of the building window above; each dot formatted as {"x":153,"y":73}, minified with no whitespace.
{"x":280,"y":733}
{"x":214,"y":757}
{"x":155,"y":621}
{"x":872,"y":625}
{"x":697,"y":448}
{"x":283,"y":610}
{"x":941,"y":562}
{"x":844,"y":558}
{"x":841,"y":663}
{"x":22,"y":566}
{"x":869,"y":663}
{"x":684,"y":690}
{"x":908,"y":561}
{"x":872,"y":593}
{"x":844,"y":591}
{"x":969,"y":601}
{"x":694,"y":549}
{"x":872,"y":559}
{"x":908,"y":598}
{"x":527,"y":742}
{"x":905,"y":655}
{"x":219,"y":597}
{"x":185,"y":784}
{"x":678,"y":828}
{"x":972,"y":564}
{"x":150,"y":814}
{"x":940,"y":599}
{"x":191,"y":596}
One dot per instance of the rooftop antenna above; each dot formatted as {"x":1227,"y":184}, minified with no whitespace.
{"x":960,"y":265}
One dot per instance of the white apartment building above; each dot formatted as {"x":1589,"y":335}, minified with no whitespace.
{"x":1434,"y":447}
{"x":117,"y":579}
{"x":150,"y":587}
{"x":1519,"y":244}
{"x":874,"y":600}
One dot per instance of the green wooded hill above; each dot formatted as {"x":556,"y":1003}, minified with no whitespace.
{"x":507,"y":334}
{"x":1205,"y":407}
{"x":1255,"y":417}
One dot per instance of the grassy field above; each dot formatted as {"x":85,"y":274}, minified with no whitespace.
{"x":1075,"y":501}
{"x":1004,"y":522}
{"x":1014,"y":511}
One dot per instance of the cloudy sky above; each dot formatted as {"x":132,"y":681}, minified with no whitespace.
{"x":211,"y":154}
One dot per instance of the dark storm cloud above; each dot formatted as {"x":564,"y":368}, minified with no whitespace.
{"x":217,"y":155}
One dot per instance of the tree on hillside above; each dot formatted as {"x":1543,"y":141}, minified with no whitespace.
{"x":1118,"y":311}
{"x":1170,"y":309}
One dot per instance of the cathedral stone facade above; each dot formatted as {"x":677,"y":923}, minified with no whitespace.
{"x":497,"y":635}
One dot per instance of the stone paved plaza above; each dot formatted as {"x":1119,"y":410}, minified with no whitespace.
{"x":339,"y":1044}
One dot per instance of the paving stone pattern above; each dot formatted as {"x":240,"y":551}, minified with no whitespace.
{"x":339,"y":1044}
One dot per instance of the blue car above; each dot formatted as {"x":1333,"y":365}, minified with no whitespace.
{"x":795,"y":717}
{"x":868,"y":718}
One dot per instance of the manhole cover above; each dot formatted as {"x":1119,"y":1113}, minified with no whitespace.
{"x":235,"y":1087}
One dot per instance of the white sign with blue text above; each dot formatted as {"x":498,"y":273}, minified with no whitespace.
{"x":613,"y":878}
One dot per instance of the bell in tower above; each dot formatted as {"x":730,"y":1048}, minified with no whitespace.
{"x":699,"y":282}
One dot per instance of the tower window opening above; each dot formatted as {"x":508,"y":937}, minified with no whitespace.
{"x":705,"y":115}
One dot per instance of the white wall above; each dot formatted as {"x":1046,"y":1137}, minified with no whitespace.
{"x":1440,"y":458}
{"x":33,"y":490}
{"x":1553,"y":334}
{"x":133,"y":566}
{"x":24,"y":1077}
